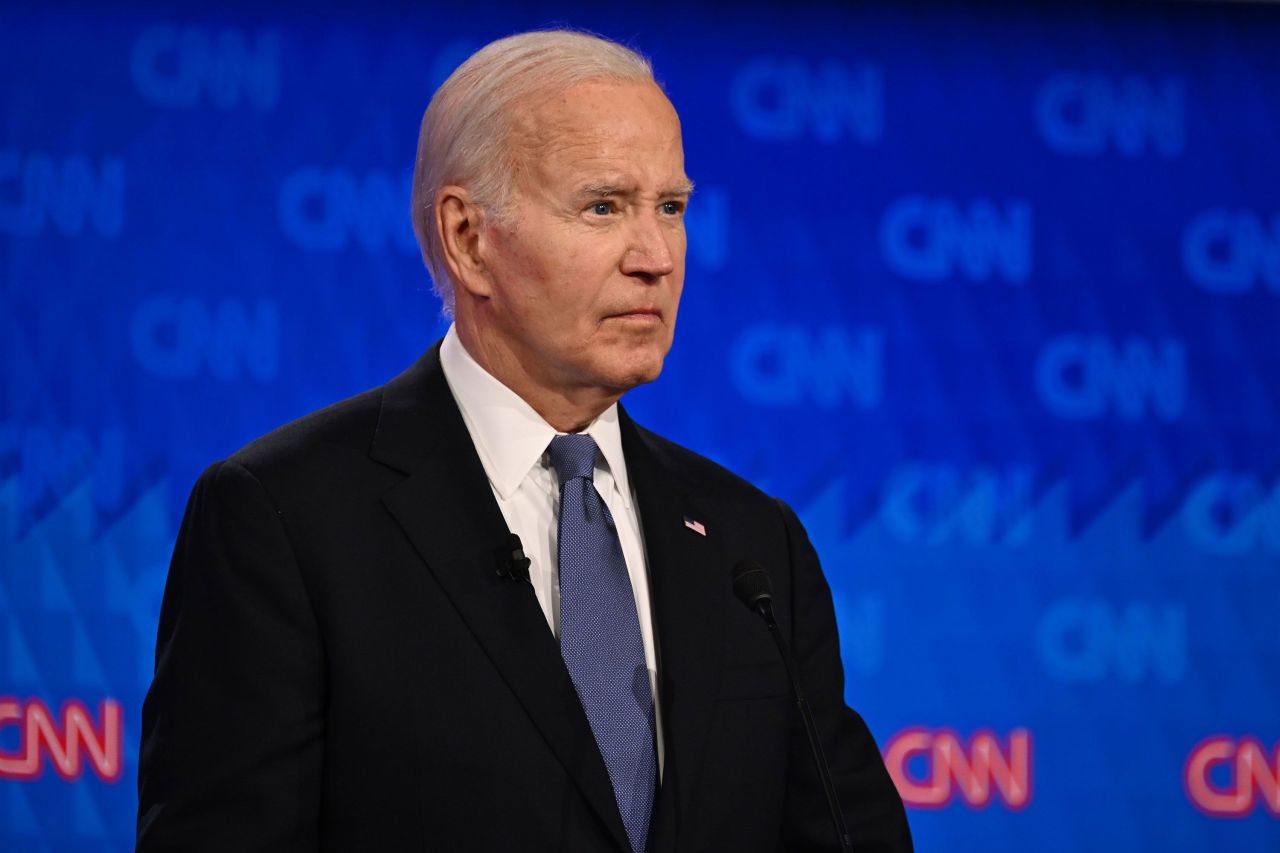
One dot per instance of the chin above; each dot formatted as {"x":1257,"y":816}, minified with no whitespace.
{"x":635,"y":372}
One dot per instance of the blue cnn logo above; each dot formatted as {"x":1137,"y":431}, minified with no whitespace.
{"x":937,"y":504}
{"x":1088,"y":114}
{"x":71,"y":194}
{"x":325,"y":210}
{"x":1232,"y":514}
{"x":1232,"y":251}
{"x":782,"y":366}
{"x":180,"y":337}
{"x":782,"y":100}
{"x":936,"y":239}
{"x":1091,"y":640}
{"x":1089,"y":377}
{"x":187,"y":67}
{"x":53,"y":461}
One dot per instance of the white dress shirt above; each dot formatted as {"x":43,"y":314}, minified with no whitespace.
{"x":511,"y":439}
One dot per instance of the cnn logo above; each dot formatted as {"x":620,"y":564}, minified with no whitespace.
{"x":1226,"y":777}
{"x":931,"y":768}
{"x":65,"y":744}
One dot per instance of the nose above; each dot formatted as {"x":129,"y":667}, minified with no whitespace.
{"x":649,"y":253}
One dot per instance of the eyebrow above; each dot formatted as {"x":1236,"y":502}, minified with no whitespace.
{"x":683,"y":189}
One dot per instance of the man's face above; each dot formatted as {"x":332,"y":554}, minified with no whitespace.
{"x":586,"y":272}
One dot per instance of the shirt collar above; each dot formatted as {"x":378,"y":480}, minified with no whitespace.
{"x":510,"y":437}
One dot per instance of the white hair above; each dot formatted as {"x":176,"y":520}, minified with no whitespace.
{"x":465,"y":136}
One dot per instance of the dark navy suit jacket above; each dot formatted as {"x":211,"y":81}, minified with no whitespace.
{"x":341,"y":667}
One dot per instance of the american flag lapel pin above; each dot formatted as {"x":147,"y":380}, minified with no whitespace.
{"x":696,"y":526}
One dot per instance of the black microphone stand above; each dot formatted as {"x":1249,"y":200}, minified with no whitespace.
{"x":751,"y":584}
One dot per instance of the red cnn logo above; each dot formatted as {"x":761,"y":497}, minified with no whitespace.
{"x":63,"y":744}
{"x":951,"y":768}
{"x":1253,"y":776}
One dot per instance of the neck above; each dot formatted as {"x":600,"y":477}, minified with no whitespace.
{"x":566,"y":409}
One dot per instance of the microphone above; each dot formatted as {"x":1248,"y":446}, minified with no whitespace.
{"x":512,"y":563}
{"x":752,"y":587}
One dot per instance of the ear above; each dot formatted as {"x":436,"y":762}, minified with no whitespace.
{"x":460,"y":226}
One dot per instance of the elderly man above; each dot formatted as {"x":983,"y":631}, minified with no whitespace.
{"x":356,"y":653}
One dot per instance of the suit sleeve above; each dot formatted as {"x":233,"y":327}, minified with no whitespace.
{"x":872,"y":807}
{"x":232,"y":727}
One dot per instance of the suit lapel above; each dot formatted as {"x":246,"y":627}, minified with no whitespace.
{"x":446,"y":508}
{"x":689,"y":586}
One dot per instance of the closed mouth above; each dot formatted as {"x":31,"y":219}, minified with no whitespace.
{"x":640,"y":312}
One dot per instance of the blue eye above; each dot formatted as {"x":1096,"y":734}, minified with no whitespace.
{"x":602,"y":208}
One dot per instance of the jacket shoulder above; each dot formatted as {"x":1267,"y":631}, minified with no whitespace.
{"x":339,"y":429}
{"x":706,"y":475}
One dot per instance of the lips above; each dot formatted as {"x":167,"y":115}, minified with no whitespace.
{"x":640,"y":312}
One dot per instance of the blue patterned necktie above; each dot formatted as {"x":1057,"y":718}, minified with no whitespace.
{"x":600,"y":635}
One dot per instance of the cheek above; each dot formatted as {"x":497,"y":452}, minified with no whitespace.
{"x":678,"y":254}
{"x":584,"y":278}
{"x":522,"y":279}
{"x":557,"y":283}
{"x":512,"y":260}
{"x":679,"y":244}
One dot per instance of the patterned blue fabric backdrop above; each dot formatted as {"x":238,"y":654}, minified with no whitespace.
{"x":1009,"y":274}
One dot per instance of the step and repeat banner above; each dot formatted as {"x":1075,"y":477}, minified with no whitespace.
{"x":990,"y":294}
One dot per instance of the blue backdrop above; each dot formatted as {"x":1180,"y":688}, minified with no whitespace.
{"x":991,"y":294}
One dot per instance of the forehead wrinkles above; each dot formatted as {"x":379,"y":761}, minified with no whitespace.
{"x":533,"y":131}
{"x":555,"y":134}
{"x":544,"y":130}
{"x":572,"y":127}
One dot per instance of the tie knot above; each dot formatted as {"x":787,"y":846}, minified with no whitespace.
{"x":573,"y":456}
